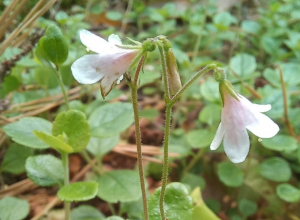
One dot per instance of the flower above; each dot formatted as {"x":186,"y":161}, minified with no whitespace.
{"x":108,"y":65}
{"x":239,"y":114}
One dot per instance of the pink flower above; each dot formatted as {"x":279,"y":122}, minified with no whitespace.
{"x":239,"y":114}
{"x":108,"y":65}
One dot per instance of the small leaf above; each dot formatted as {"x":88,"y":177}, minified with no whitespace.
{"x":79,"y":191}
{"x":200,"y":138}
{"x":110,"y":119}
{"x":14,"y":158}
{"x":275,"y":169}
{"x":210,"y":91}
{"x":280,"y":142}
{"x":100,"y":146}
{"x":86,"y":212}
{"x":54,"y":142}
{"x":46,"y":76}
{"x":74,"y":126}
{"x":178,"y":203}
{"x":41,"y":55}
{"x":193,"y":181}
{"x":12,"y":208}
{"x":114,"y":218}
{"x":119,"y":185}
{"x":210,"y":114}
{"x":45,"y":170}
{"x":54,"y":45}
{"x":243,"y":64}
{"x":229,"y":174}
{"x":22,"y":131}
{"x":247,"y":207}
{"x":288,"y":192}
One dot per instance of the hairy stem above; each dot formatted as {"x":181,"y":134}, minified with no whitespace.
{"x":166,"y":159}
{"x":134,"y":96}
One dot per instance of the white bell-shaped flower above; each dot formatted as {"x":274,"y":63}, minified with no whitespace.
{"x":108,"y":65}
{"x":238,"y":115}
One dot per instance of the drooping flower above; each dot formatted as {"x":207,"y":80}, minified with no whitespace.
{"x":108,"y":65}
{"x":238,"y":115}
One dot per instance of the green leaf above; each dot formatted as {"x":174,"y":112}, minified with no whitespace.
{"x":14,"y":159}
{"x":41,"y":55}
{"x":110,"y":119}
{"x":119,"y":185}
{"x":280,"y":142}
{"x":22,"y":131}
{"x":210,"y":91}
{"x":243,"y":64}
{"x":193,"y":181}
{"x":251,"y":26}
{"x":54,"y":45}
{"x":79,"y":191}
{"x":114,"y":15}
{"x":133,"y":210}
{"x":224,"y":19}
{"x":288,"y":192}
{"x":9,"y":84}
{"x":275,"y":169}
{"x":178,"y":203}
{"x":56,"y":142}
{"x":12,"y":208}
{"x":45,"y":76}
{"x":229,"y":174}
{"x":114,"y":218}
{"x":45,"y":170}
{"x":86,"y":212}
{"x":210,"y":114}
{"x":200,"y":138}
{"x":74,"y":126}
{"x":247,"y":207}
{"x":100,"y":146}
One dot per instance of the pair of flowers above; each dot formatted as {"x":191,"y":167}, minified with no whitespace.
{"x":238,"y":114}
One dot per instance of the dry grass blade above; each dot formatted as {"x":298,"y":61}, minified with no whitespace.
{"x":40,"y":8}
{"x":18,"y":188}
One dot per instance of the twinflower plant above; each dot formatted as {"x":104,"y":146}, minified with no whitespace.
{"x":238,"y":115}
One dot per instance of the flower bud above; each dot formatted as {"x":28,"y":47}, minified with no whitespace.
{"x":219,"y":75}
{"x":173,"y":75}
{"x":149,"y":45}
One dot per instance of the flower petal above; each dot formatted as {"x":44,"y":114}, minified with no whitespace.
{"x":236,"y":143}
{"x":87,"y":69}
{"x":262,"y":108}
{"x":95,"y":43}
{"x":218,"y":137}
{"x":262,"y":126}
{"x":114,"y":39}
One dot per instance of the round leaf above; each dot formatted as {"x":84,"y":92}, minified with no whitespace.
{"x":200,"y":138}
{"x":276,"y":169}
{"x":193,"y":181}
{"x":210,"y":114}
{"x":178,"y":203}
{"x":22,"y":131}
{"x":110,"y":119}
{"x":288,"y":192}
{"x":119,"y":185}
{"x":247,"y":207}
{"x":54,"y":45}
{"x":100,"y":146}
{"x":86,"y":212}
{"x":243,"y":64}
{"x":45,"y":170}
{"x":14,"y":159}
{"x":229,"y":174}
{"x":13,"y":208}
{"x":79,"y":191}
{"x":280,"y":142}
{"x":74,"y":125}
{"x":210,"y":91}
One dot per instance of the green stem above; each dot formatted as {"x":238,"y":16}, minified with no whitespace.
{"x":65,"y":161}
{"x":195,"y":159}
{"x":198,"y":74}
{"x":61,"y":84}
{"x":88,"y":159}
{"x":138,"y":139}
{"x":166,"y":159}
